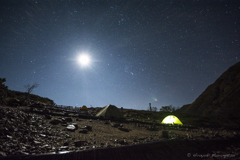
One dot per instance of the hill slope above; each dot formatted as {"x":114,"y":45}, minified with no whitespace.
{"x":222,"y":98}
{"x":17,"y":98}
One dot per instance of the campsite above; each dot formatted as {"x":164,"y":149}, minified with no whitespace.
{"x":33,"y":127}
{"x":119,"y":79}
{"x":61,"y":131}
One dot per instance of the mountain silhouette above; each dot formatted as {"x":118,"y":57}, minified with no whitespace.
{"x":222,"y":98}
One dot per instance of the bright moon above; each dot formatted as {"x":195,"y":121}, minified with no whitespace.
{"x":84,"y":60}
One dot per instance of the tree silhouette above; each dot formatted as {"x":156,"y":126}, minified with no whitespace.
{"x":3,"y":89}
{"x":30,"y":88}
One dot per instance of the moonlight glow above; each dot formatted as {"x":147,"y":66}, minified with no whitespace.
{"x":84,"y":60}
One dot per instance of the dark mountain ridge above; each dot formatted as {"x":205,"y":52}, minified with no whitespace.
{"x":17,"y":98}
{"x":222,"y":98}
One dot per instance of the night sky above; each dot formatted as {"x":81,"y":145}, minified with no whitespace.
{"x":141,"y":52}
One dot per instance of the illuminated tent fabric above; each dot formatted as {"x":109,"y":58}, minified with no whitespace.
{"x":171,"y":119}
{"x":110,"y":111}
{"x":83,"y":108}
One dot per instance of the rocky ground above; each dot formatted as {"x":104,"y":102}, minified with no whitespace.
{"x":27,"y":131}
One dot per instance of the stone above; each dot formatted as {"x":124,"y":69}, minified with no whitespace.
{"x":23,"y":153}
{"x":87,"y":147}
{"x":89,"y":128}
{"x":71,"y":127}
{"x":68,"y":136}
{"x":42,"y":135}
{"x":64,"y":152}
{"x":37,"y":142}
{"x":3,"y":154}
{"x":63,"y":119}
{"x":45,"y":146}
{"x":10,"y":137}
{"x":75,"y":124}
{"x":64,"y":147}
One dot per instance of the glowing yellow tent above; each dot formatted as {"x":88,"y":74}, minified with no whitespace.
{"x":83,"y":108}
{"x":171,"y":119}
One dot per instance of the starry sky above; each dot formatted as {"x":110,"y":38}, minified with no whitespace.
{"x":159,"y":52}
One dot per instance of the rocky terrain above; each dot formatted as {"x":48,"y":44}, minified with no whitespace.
{"x":33,"y":127}
{"x":221,"y":99}
{"x":32,"y":131}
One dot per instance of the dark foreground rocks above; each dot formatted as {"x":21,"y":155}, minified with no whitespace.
{"x":23,"y":134}
{"x":166,"y":149}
